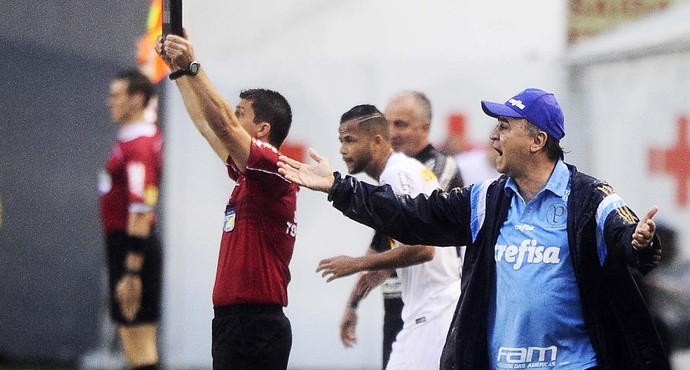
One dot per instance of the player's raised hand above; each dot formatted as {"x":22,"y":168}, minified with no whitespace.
{"x":318,"y":176}
{"x":644,"y":232}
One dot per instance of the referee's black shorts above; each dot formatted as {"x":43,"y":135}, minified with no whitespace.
{"x":151,"y":278}
{"x":250,"y":337}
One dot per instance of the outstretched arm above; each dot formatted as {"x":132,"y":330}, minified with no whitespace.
{"x":440,"y":219}
{"x":402,"y":256}
{"x":212,"y":115}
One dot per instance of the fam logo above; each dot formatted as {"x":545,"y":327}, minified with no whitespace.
{"x":528,"y":252}
{"x":527,"y":358}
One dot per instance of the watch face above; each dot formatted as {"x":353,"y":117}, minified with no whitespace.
{"x":194,"y":67}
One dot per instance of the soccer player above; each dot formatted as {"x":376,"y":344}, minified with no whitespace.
{"x":429,"y":279}
{"x":408,"y":114}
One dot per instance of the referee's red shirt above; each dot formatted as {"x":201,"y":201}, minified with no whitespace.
{"x":258,"y":233}
{"x":132,"y":175}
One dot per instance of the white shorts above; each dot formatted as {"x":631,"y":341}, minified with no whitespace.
{"x":420,"y":346}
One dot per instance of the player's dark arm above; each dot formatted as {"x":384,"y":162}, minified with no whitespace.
{"x":401,"y":256}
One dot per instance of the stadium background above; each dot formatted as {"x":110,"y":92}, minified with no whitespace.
{"x":620,"y":69}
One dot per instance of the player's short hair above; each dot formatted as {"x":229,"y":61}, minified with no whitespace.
{"x":369,"y":119}
{"x":271,"y":107}
{"x":137,"y":82}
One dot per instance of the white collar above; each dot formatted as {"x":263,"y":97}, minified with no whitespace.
{"x":136,"y":130}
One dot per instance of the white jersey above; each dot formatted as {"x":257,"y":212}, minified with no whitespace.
{"x":430,"y":288}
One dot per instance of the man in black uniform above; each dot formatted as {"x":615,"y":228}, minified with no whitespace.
{"x":409,"y":119}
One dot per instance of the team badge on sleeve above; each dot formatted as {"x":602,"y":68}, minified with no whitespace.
{"x":151,"y":195}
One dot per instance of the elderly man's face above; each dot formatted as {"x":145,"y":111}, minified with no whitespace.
{"x":512,"y":141}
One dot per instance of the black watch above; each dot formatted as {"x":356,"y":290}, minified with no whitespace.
{"x":191,"y":70}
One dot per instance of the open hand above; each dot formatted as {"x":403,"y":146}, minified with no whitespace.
{"x":337,"y":267}
{"x":318,"y":176}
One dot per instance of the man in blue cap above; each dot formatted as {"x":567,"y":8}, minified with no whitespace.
{"x":546,"y":279}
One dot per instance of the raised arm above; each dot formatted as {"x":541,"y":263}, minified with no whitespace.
{"x":193,"y":109}
{"x":213,"y":116}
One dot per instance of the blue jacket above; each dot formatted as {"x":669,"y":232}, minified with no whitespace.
{"x":617,"y":319}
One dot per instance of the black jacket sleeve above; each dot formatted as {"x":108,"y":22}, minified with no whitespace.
{"x":619,"y":228}
{"x":437,"y":219}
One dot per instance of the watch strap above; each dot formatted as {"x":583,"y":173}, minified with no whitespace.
{"x":179,"y":73}
{"x":185,"y":71}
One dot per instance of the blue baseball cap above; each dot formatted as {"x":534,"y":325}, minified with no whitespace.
{"x":537,"y":106}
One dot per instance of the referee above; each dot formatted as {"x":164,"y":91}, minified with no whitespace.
{"x":129,"y":193}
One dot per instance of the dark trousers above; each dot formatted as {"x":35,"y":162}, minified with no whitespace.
{"x":250,"y":336}
{"x":392,"y":324}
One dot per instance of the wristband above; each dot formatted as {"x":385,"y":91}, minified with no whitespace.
{"x":129,"y":271}
{"x":136,"y":244}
